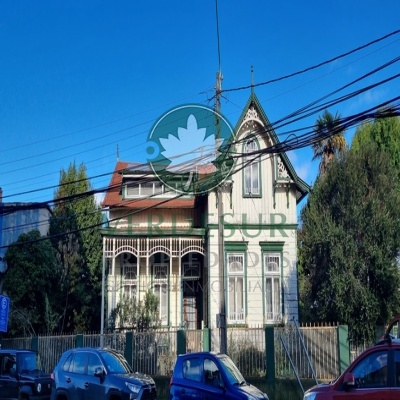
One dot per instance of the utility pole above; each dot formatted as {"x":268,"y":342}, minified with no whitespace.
{"x":103,"y":284}
{"x":221,"y":318}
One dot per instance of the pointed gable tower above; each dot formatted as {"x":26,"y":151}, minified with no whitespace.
{"x":254,"y":122}
{"x":260,"y":228}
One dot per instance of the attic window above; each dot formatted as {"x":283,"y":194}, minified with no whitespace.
{"x":144,"y":189}
{"x":251,"y":169}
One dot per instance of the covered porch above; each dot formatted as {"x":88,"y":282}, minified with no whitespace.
{"x":173,"y":268}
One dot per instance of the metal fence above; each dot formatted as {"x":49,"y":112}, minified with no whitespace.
{"x":246,"y":347}
{"x":308,"y":350}
{"x":313,"y":351}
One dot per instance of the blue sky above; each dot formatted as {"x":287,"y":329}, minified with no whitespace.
{"x":78,"y":79}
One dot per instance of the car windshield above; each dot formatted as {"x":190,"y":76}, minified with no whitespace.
{"x":115,"y":363}
{"x":231,"y":371}
{"x":29,"y":362}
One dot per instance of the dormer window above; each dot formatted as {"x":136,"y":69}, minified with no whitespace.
{"x":143,"y":189}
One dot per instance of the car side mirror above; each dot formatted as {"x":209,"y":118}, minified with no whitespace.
{"x":13,"y":372}
{"x":99,"y":372}
{"x":349,"y":381}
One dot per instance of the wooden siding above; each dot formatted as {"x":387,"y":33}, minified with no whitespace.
{"x":153,"y":219}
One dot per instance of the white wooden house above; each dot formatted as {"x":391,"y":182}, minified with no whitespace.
{"x":169,"y":245}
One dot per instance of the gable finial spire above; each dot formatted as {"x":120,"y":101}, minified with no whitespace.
{"x":252,"y":80}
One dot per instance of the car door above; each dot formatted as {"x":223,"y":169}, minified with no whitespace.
{"x":94,"y":386}
{"x":396,"y":371}
{"x":76,"y":376}
{"x":188,"y":387}
{"x":213,"y":384}
{"x":372,"y":376}
{"x":8,"y":381}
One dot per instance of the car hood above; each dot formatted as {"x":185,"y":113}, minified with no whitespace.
{"x":322,"y":387}
{"x":251,"y":390}
{"x":135,"y":378}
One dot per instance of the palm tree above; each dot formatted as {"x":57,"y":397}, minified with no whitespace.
{"x":329,"y":141}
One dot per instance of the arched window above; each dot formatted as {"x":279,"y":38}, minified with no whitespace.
{"x":251,"y":169}
{"x":130,"y":272}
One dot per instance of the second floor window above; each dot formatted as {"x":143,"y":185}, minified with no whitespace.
{"x":251,"y":170}
{"x":143,"y":189}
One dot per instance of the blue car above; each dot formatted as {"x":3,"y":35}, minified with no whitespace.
{"x":209,"y":375}
{"x":96,"y":373}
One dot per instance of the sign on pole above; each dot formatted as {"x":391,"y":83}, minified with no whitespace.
{"x":4,"y":306}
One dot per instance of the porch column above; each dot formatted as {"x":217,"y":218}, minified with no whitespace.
{"x":180,"y":291}
{"x":169,"y":288}
{"x":147,"y":262}
{"x":113,"y":258}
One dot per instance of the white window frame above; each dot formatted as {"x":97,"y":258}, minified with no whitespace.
{"x":273,"y":287}
{"x":130,"y":275}
{"x":236,"y":297}
{"x":191,"y":270}
{"x":251,"y":170}
{"x":143,"y":189}
{"x":160,"y":289}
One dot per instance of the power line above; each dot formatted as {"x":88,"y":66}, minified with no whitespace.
{"x":299,"y":113}
{"x":249,"y":157}
{"x":315,"y":66}
{"x":112,"y":133}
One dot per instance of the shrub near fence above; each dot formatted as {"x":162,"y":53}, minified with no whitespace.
{"x":155,"y":352}
{"x":246,"y":347}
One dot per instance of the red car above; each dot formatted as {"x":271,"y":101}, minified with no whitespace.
{"x":373,"y":375}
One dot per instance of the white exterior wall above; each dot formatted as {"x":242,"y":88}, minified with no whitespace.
{"x":259,"y":214}
{"x":257,"y":221}
{"x":153,"y":220}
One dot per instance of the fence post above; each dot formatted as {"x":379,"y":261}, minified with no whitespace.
{"x":129,"y":348}
{"x":270,"y":353}
{"x":79,"y":340}
{"x":343,"y":347}
{"x":180,"y":341}
{"x":206,"y":339}
{"x":35,"y":343}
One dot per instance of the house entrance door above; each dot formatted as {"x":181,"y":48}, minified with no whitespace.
{"x":190,"y":312}
{"x":192,"y":296}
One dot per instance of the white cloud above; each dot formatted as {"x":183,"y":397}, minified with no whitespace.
{"x":367,"y":99}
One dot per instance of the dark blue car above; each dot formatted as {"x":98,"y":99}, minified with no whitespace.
{"x":209,"y":375}
{"x":95,"y":373}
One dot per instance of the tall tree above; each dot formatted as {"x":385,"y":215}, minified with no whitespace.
{"x":350,"y":241}
{"x":75,"y":228}
{"x":31,"y":279}
{"x":385,"y":132}
{"x":330,"y":139}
